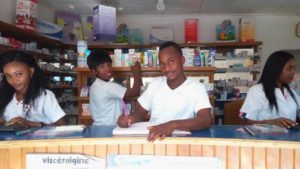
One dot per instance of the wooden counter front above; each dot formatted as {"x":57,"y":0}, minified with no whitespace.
{"x":234,"y":153}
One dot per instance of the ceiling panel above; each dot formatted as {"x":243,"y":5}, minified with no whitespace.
{"x":148,"y":7}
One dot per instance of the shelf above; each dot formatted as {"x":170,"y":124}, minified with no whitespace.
{"x":4,"y":48}
{"x":52,"y":73}
{"x":85,"y":117}
{"x":252,"y":72}
{"x":70,"y":101}
{"x":125,"y":72}
{"x":149,"y":69}
{"x":71,"y":115}
{"x":8,"y":30}
{"x":40,"y":57}
{"x":145,"y":46}
{"x":85,"y":98}
{"x":63,"y":87}
{"x":223,"y":44}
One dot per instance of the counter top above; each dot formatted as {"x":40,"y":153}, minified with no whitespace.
{"x":217,"y":131}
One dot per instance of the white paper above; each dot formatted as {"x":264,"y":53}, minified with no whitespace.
{"x":70,"y":128}
{"x":141,"y":128}
{"x":166,"y":162}
{"x":64,"y":161}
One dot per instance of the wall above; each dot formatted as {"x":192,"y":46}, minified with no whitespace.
{"x":276,"y":32}
{"x":296,"y":53}
{"x":45,"y":13}
{"x":8,"y":11}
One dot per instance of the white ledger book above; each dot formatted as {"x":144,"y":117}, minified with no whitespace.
{"x":141,"y":128}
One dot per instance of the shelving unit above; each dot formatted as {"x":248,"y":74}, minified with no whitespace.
{"x":124,"y":72}
{"x":26,"y":36}
{"x":84,"y":73}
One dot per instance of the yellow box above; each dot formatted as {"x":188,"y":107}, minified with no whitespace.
{"x":247,"y":29}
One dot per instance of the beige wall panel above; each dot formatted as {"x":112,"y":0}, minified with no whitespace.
{"x":259,"y":158}
{"x":273,"y":158}
{"x":160,"y":149}
{"x":233,"y":160}
{"x":136,"y":149}
{"x":246,"y":157}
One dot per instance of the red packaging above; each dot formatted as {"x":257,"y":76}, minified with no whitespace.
{"x":26,"y":14}
{"x":191,"y":30}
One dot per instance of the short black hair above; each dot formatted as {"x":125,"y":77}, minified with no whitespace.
{"x":171,"y":44}
{"x":96,"y":58}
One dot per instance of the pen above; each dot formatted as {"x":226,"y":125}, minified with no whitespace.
{"x":25,"y":131}
{"x":249,"y":131}
{"x":125,"y":111}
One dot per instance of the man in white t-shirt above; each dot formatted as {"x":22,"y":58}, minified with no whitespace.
{"x":106,"y":96}
{"x":174,"y":101}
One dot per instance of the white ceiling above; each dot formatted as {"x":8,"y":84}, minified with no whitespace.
{"x":148,"y":7}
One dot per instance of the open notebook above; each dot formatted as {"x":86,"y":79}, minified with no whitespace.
{"x":141,"y":129}
{"x":264,"y":129}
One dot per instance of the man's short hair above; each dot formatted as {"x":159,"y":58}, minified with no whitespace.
{"x":96,"y":58}
{"x":171,"y":44}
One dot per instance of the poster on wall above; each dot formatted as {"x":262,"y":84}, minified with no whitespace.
{"x":191,"y":30}
{"x":71,"y":24}
{"x":26,"y":14}
{"x":104,"y":23}
{"x":161,"y":33}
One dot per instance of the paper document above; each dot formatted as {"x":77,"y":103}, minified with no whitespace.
{"x":141,"y":128}
{"x":70,"y":128}
{"x":264,"y":129}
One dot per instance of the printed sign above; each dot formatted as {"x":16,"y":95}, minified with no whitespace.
{"x":65,"y":161}
{"x":151,"y":161}
{"x":161,"y":33}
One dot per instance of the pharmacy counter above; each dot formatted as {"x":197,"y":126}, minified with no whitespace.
{"x":236,"y":149}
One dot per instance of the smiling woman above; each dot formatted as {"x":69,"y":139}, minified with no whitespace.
{"x":24,"y":99}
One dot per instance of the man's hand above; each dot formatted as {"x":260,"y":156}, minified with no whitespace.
{"x":125,"y":121}
{"x":136,"y":68}
{"x":161,"y":131}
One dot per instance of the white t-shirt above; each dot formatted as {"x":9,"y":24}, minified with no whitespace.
{"x":166,"y":104}
{"x":46,"y":109}
{"x":256,"y":105}
{"x":105,"y":102}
